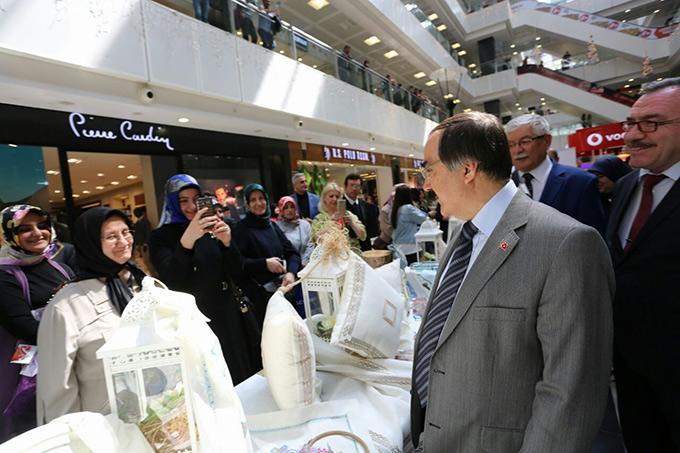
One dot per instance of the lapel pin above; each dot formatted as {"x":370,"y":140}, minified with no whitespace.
{"x":504,"y":245}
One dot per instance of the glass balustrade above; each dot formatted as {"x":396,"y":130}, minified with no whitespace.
{"x":427,"y":24}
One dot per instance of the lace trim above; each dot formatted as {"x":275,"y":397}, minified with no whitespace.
{"x":382,"y":443}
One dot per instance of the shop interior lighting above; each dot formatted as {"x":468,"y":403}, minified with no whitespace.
{"x":101,"y":175}
{"x":472,"y":66}
{"x":391,"y":54}
{"x":660,"y":79}
{"x":315,"y":66}
{"x":12,"y":145}
{"x":542,"y":99}
{"x":442,"y":27}
{"x":626,"y":86}
{"x":627,"y":11}
{"x":538,"y":38}
{"x":542,"y":103}
{"x":433,"y":16}
{"x":371,"y":41}
{"x":74,"y":161}
{"x":656,"y":11}
{"x":183,"y":120}
{"x":345,"y":144}
{"x":99,"y":187}
{"x":299,"y":58}
{"x":512,"y":46}
{"x":75,"y":195}
{"x":114,"y":183}
{"x":318,"y":4}
{"x":539,"y":46}
{"x":121,"y":166}
{"x":467,"y":110}
{"x":85,"y":192}
{"x":372,"y":148}
{"x":431,"y":83}
{"x":57,"y":191}
{"x":631,"y":80}
{"x":282,"y":52}
{"x":239,"y":33}
{"x":52,"y":172}
{"x":519,"y":108}
{"x":515,"y":52}
{"x":419,"y":75}
{"x":132,"y":177}
{"x":455,"y":45}
{"x":448,"y":96}
{"x":456,"y":101}
{"x":516,"y":104}
{"x":462,"y":53}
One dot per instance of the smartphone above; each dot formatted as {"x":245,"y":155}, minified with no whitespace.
{"x":342,"y":207}
{"x":206,"y":202}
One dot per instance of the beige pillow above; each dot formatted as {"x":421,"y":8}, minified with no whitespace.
{"x":394,"y":276}
{"x":288,"y":355}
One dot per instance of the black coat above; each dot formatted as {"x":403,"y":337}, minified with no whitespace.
{"x":206,"y":272}
{"x":368,"y":215}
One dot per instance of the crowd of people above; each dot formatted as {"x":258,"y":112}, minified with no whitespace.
{"x":553,"y":275}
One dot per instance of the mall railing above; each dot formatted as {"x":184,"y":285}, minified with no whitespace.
{"x":581,"y":84}
{"x":427,"y":24}
{"x":257,"y":26}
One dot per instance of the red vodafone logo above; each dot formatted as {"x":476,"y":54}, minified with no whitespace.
{"x":596,"y":139}
{"x":599,"y":137}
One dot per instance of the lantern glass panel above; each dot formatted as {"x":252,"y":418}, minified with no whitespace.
{"x":126,"y":388}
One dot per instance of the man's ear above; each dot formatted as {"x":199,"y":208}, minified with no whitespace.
{"x":470,"y":171}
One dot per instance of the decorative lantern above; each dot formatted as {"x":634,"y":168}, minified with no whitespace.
{"x":322,"y":288}
{"x":429,"y":233}
{"x":147,"y":383}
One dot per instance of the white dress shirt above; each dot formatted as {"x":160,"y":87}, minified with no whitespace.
{"x":658,"y":193}
{"x":540,"y":175}
{"x":486,"y":221}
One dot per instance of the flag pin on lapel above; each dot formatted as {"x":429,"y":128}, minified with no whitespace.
{"x":504,"y":245}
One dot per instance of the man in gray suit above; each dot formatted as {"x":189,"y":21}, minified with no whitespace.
{"x":514,"y":351}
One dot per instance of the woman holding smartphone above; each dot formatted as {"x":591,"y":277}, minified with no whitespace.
{"x":193,"y":253}
{"x":332,"y":209}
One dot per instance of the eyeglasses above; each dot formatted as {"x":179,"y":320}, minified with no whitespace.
{"x":112,"y":238}
{"x":28,"y":227}
{"x":427,"y":170}
{"x":646,"y":125}
{"x":524,"y":142}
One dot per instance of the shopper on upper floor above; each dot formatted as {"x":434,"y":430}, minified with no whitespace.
{"x":406,"y":219}
{"x":568,"y":189}
{"x":366,"y":213}
{"x":83,"y":314}
{"x":269,"y":259}
{"x":306,"y":201}
{"x":193,"y":253}
{"x":297,"y":230}
{"x":608,"y":170}
{"x":346,"y":65}
{"x":328,"y":206}
{"x":31,"y":272}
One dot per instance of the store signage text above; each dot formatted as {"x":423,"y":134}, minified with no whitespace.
{"x":598,"y":137}
{"x":347,"y":154}
{"x":125,"y":131}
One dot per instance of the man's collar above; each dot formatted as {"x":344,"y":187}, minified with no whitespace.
{"x":541,"y":171}
{"x":356,"y":200}
{"x":673,"y":172}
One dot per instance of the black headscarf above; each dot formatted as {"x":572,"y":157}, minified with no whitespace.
{"x":612,"y":167}
{"x":92,"y":263}
{"x":252,"y":219}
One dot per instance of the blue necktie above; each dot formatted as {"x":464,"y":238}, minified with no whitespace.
{"x":440,"y":307}
{"x":528,"y":177}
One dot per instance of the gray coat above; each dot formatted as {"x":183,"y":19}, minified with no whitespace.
{"x":524,"y":359}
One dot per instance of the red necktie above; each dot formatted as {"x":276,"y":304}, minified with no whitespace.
{"x":645,"y":208}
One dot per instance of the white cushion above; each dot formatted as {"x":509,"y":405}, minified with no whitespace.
{"x":288,"y":355}
{"x":368,"y":320}
{"x":394,"y":276}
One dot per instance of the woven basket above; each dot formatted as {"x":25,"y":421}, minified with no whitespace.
{"x":377,"y":258}
{"x":310,"y":444}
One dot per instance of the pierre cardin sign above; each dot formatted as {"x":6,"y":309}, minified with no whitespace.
{"x":87,"y":127}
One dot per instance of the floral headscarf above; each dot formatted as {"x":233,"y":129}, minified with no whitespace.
{"x":172,"y":213}
{"x":11,"y":253}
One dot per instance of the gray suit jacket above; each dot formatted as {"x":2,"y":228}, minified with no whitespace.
{"x":524,"y":359}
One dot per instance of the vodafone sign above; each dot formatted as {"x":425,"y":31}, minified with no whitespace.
{"x":600,"y":137}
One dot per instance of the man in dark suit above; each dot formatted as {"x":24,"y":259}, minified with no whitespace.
{"x":307,"y":202}
{"x":366,"y":212}
{"x":567,"y":189}
{"x":514,"y":350}
{"x":643,"y":235}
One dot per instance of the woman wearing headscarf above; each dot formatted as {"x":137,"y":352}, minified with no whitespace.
{"x":84,"y":314}
{"x":608,"y":170}
{"x":269,"y":259}
{"x":328,"y":212}
{"x":31,"y":271}
{"x":193,"y":253}
{"x":297,"y":230}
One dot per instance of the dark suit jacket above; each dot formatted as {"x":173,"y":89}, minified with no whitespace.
{"x":368,"y":214}
{"x":647,"y":302}
{"x":574,"y":192}
{"x":313,"y":203}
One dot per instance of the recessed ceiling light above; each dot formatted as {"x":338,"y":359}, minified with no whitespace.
{"x":315,"y":66}
{"x":121,"y":166}
{"x":260,"y":43}
{"x":467,"y":110}
{"x":73,"y":160}
{"x":519,"y":108}
{"x":539,"y":46}
{"x":299,"y":58}
{"x":75,"y":195}
{"x":281,"y":52}
{"x":538,"y":38}
{"x":83,"y":181}
{"x":433,"y":16}
{"x":515,"y":52}
{"x":371,"y":40}
{"x":442,"y":27}
{"x":626,"y":86}
{"x":631,"y":80}
{"x":462,"y":53}
{"x":85,"y":192}
{"x":132,"y":177}
{"x":419,"y":75}
{"x":542,"y":99}
{"x":12,"y":145}
{"x":512,"y":46}
{"x":99,"y":187}
{"x":542,"y":103}
{"x":455,"y":45}
{"x":345,"y":144}
{"x":448,"y":96}
{"x":57,"y":191}
{"x":456,"y":101}
{"x":472,"y":66}
{"x":317,"y":4}
{"x":656,"y":11}
{"x":516,"y":104}
{"x":239,"y":33}
{"x":660,"y":79}
{"x":114,"y":183}
{"x":372,"y":148}
{"x":410,"y":155}
{"x":627,"y":11}
{"x":101,"y":175}
{"x":183,"y":120}
{"x":52,"y":172}
{"x":430,"y":83}
{"x":391,"y":54}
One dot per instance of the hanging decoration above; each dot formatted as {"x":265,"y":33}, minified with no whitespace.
{"x":591,"y":54}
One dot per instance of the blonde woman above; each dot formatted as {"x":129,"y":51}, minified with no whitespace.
{"x":328,"y":212}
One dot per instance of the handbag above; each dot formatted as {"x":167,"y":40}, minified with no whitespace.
{"x":23,"y":401}
{"x":250,"y":324}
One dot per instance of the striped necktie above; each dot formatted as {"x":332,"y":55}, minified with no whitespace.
{"x":439,"y":309}
{"x":528,"y":177}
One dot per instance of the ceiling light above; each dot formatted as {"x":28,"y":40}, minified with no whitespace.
{"x":315,"y":66}
{"x":627,"y":11}
{"x":73,"y":160}
{"x":538,"y":38}
{"x":512,"y":46}
{"x":299,"y":58}
{"x":660,"y":79}
{"x":345,"y":144}
{"x":317,"y":4}
{"x":12,"y":145}
{"x":114,"y":183}
{"x":455,"y":45}
{"x":391,"y":54}
{"x":539,"y":46}
{"x":462,"y":53}
{"x":52,"y":172}
{"x":626,"y":86}
{"x":425,"y":23}
{"x":430,"y":83}
{"x":101,"y":175}
{"x":542,"y":99}
{"x":433,"y":16}
{"x":99,"y":187}
{"x":372,"y":148}
{"x":183,"y":120}
{"x":517,"y":104}
{"x":456,"y":101}
{"x":239,"y":33}
{"x":467,"y":110}
{"x":282,"y":52}
{"x":656,"y":11}
{"x":448,"y":96}
{"x":75,"y":195}
{"x":515,"y":52}
{"x":631,"y":80}
{"x":542,"y":103}
{"x":472,"y":66}
{"x":132,"y":177}
{"x":371,"y":41}
{"x":85,"y":192}
{"x":410,"y":155}
{"x":519,"y":108}
{"x":57,"y":191}
{"x":442,"y":27}
{"x":419,"y":75}
{"x":121,"y":166}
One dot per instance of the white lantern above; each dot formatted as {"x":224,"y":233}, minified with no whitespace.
{"x":429,"y":233}
{"x":322,"y":288}
{"x":147,"y":383}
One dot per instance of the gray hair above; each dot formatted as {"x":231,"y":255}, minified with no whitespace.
{"x":658,"y":85}
{"x":296,"y":176}
{"x":539,"y":124}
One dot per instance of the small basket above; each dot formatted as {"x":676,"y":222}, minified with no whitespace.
{"x":308,"y":447}
{"x":377,"y":258}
